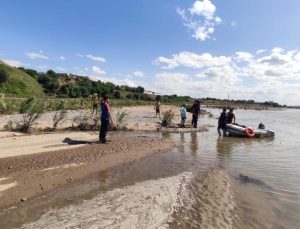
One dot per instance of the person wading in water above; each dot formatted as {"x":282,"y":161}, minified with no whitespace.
{"x":222,"y":122}
{"x":105,"y":119}
{"x":230,"y":117}
{"x":196,"y":113}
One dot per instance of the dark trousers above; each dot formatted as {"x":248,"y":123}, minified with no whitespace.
{"x":195,"y":121}
{"x":103,"y":130}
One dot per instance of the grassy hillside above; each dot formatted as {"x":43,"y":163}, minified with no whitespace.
{"x":19,"y":83}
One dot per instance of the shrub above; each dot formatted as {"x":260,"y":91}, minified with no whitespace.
{"x":168,"y":117}
{"x":3,"y":76}
{"x":82,"y":121}
{"x":32,"y":111}
{"x":117,"y":95}
{"x":121,"y":119}
{"x":58,"y":117}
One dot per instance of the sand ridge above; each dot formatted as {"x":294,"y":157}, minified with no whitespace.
{"x":38,"y":173}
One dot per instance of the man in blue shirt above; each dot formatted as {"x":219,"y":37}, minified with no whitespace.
{"x":105,"y":119}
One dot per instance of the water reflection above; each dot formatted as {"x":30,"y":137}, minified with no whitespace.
{"x":194,"y":144}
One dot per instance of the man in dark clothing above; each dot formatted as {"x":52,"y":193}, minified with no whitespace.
{"x":196,"y":113}
{"x":105,"y":119}
{"x":230,"y":117}
{"x":222,"y":122}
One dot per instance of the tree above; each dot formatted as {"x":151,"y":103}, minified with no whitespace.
{"x":136,"y":96}
{"x":129,"y":96}
{"x":51,"y":73}
{"x":33,"y":73}
{"x":157,"y":98}
{"x":3,"y":76}
{"x":117,"y":95}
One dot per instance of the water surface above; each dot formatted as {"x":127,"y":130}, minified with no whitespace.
{"x":147,"y":193}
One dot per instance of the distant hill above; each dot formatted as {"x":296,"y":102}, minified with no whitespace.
{"x":19,"y":83}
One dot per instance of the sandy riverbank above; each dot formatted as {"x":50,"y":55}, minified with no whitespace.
{"x":26,"y":176}
{"x":141,"y":118}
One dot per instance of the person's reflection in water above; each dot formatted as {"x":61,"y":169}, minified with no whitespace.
{"x":224,"y":147}
{"x":182,"y":137}
{"x":194,"y":143}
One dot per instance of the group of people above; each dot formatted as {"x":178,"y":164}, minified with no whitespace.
{"x":105,"y":118}
{"x":195,"y":110}
{"x":225,"y":118}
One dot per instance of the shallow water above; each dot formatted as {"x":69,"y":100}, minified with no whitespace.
{"x":169,"y":189}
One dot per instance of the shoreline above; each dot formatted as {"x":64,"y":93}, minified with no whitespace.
{"x":26,"y":180}
{"x":35,"y":174}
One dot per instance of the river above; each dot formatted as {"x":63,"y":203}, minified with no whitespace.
{"x":200,"y":184}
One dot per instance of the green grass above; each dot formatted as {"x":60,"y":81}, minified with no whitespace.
{"x":20,"y":84}
{"x":12,"y":105}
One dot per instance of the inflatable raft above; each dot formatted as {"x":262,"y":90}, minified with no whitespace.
{"x":235,"y":130}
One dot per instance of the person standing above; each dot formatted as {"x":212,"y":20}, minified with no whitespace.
{"x":105,"y":119}
{"x":196,"y":113}
{"x":94,"y":103}
{"x":183,"y":114}
{"x":157,"y":108}
{"x":222,"y":122}
{"x":230,"y":117}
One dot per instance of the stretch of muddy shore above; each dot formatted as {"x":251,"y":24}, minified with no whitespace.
{"x":28,"y":176}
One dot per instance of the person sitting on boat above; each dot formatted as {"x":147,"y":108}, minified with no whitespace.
{"x":230,"y":117}
{"x":222,"y":122}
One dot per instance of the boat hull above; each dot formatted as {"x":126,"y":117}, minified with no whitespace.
{"x":233,"y":130}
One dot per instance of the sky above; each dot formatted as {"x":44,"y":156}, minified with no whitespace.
{"x":249,"y":49}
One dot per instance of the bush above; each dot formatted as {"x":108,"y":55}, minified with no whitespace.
{"x":136,"y":96}
{"x":3,"y":76}
{"x":82,"y":121}
{"x":129,"y":96}
{"x":11,"y":125}
{"x":59,"y":117}
{"x":32,"y":111}
{"x":117,"y":95}
{"x":168,"y":117}
{"x":121,"y":119}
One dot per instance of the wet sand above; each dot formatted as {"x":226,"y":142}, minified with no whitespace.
{"x":28,"y":176}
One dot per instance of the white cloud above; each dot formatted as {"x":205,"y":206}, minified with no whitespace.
{"x":200,"y":19}
{"x":138,"y":73}
{"x":205,"y":8}
{"x":43,"y":67}
{"x":14,"y":63}
{"x":96,"y":58}
{"x":273,"y":75}
{"x":260,"y":51}
{"x":61,"y":69}
{"x":233,"y":23}
{"x":192,"y":60}
{"x":78,"y":55}
{"x":223,"y":74}
{"x":35,"y":55}
{"x":115,"y":80}
{"x":277,"y":50}
{"x":62,"y":57}
{"x":243,"y":56}
{"x":98,"y":71}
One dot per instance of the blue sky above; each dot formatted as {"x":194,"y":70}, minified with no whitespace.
{"x":247,"y":48}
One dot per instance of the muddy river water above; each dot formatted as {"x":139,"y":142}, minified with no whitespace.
{"x":208,"y":182}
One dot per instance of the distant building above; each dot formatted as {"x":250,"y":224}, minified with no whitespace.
{"x":152,"y":94}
